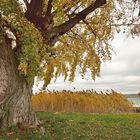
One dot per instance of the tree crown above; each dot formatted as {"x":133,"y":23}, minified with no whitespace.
{"x":54,"y":37}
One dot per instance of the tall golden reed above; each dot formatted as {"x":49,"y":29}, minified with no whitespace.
{"x":82,"y":101}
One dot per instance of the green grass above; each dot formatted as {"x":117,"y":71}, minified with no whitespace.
{"x":75,"y":126}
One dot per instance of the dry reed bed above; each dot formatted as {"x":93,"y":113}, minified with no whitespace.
{"x":82,"y":101}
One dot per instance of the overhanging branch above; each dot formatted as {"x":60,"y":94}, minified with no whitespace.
{"x":45,"y":25}
{"x":65,"y":27}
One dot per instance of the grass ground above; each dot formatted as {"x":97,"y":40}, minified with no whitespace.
{"x":75,"y":126}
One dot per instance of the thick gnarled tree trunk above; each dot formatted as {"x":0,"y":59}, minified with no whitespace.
{"x":15,"y":93}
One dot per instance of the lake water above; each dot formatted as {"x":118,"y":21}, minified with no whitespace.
{"x":135,"y":101}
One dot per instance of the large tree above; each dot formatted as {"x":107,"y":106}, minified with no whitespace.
{"x":49,"y":38}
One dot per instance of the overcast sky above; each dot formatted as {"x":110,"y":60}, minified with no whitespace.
{"x":121,"y":74}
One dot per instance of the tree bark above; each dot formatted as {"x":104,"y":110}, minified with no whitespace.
{"x":15,"y":92}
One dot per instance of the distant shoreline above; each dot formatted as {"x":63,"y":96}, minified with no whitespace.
{"x":134,"y":98}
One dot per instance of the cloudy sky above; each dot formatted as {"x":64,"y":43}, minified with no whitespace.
{"x":121,"y":74}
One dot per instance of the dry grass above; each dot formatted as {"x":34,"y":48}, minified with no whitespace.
{"x":82,"y":101}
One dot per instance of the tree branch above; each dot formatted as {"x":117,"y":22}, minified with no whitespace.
{"x":65,"y":27}
{"x":49,"y":8}
{"x":6,"y":25}
{"x":48,"y":19}
{"x":45,"y":25}
{"x":34,"y":11}
{"x":26,"y":3}
{"x":36,"y":7}
{"x":90,"y":28}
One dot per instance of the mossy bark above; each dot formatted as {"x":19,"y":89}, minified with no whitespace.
{"x":15,"y":92}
